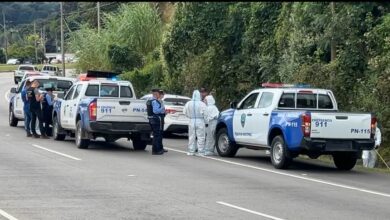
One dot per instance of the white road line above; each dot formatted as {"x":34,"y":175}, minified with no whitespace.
{"x":250,"y":211}
{"x":294,"y":176}
{"x":131,"y":175}
{"x":6,"y":96}
{"x":7,"y":216}
{"x":56,"y":152}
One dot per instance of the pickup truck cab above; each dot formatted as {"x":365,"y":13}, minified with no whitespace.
{"x":22,"y":69}
{"x":289,"y":120}
{"x":51,"y":70}
{"x":101,"y":108}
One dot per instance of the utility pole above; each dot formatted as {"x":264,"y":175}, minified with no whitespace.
{"x":98,"y":16}
{"x":35,"y":44}
{"x":5,"y":38}
{"x":62,"y":40}
{"x":333,"y":42}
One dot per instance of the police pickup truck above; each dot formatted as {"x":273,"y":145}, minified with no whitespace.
{"x":290,"y":120}
{"x":101,"y":108}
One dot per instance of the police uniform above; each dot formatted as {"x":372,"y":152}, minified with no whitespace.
{"x":47,"y":109}
{"x":155,"y":112}
{"x":36,"y":112}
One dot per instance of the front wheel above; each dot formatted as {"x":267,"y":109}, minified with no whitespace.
{"x":80,"y":142}
{"x":56,"y":135}
{"x":279,"y":153}
{"x":13,"y":122}
{"x":345,"y":160}
{"x":224,"y":147}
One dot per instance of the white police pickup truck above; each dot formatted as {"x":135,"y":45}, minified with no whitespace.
{"x":101,"y":108}
{"x":292,"y":119}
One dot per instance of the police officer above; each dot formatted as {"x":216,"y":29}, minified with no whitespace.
{"x":162,"y":116}
{"x":155,"y":110}
{"x":47,"y":107}
{"x":35,"y":98}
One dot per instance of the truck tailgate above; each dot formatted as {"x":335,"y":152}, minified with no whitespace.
{"x":121,"y":110}
{"x":340,"y":125}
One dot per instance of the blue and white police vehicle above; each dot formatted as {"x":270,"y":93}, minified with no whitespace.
{"x":292,"y":119}
{"x":101,"y":107}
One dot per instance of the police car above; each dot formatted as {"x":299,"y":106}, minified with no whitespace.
{"x":289,"y":120}
{"x":16,"y":114}
{"x":175,"y":121}
{"x":99,"y":105}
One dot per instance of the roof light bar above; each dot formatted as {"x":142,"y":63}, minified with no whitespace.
{"x":284,"y":85}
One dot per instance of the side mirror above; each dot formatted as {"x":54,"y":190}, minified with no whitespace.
{"x":233,"y":105}
{"x":13,"y":90}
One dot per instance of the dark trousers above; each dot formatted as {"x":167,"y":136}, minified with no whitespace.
{"x":155,"y":124}
{"x":37,"y":113}
{"x":27,"y":120}
{"x":47,"y":111}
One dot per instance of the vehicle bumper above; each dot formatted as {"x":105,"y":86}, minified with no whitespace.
{"x":175,"y":128}
{"x":119,"y":127}
{"x":329,"y":145}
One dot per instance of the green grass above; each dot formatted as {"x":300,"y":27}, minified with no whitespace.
{"x":10,"y":68}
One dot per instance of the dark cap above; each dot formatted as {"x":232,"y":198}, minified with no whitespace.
{"x":203,"y":89}
{"x":161,"y":91}
{"x":155,"y":90}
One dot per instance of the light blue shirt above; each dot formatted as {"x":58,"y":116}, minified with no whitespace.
{"x":158,"y":108}
{"x":49,"y":100}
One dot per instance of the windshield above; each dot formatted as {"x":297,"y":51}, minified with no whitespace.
{"x":58,"y":85}
{"x":175,"y":101}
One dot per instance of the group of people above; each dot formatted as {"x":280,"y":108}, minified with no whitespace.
{"x":37,"y":105}
{"x":203,"y":115}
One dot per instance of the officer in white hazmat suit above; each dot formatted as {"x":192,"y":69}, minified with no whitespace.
{"x":194,"y":110}
{"x":369,"y":156}
{"x":211,"y":116}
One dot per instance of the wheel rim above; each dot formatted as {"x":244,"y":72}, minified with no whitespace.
{"x":277,"y":152}
{"x":78,"y":136}
{"x":223,"y":143}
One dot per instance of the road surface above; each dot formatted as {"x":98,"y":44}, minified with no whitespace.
{"x":47,"y":179}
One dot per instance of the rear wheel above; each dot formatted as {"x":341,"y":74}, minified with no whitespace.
{"x":138,"y":144}
{"x":224,"y":147}
{"x":13,"y":122}
{"x":345,"y":160}
{"x":80,"y":142}
{"x":279,"y":153}
{"x":56,"y":135}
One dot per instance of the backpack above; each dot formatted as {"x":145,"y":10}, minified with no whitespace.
{"x":149,"y":107}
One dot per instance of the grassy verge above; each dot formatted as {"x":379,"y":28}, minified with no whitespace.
{"x":10,"y":68}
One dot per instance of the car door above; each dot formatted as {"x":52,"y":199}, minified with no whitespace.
{"x":261,"y":118}
{"x":73,"y":105}
{"x":242,"y":126}
{"x":18,"y":102}
{"x":65,"y":120}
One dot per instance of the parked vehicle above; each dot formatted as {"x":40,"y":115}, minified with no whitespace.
{"x":31,"y":74}
{"x":61,"y":85}
{"x":289,"y":120}
{"x":51,"y":70}
{"x":22,"y":69}
{"x":175,"y":120}
{"x":13,"y":62}
{"x":101,"y":108}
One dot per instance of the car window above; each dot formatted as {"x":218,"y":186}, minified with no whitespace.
{"x":77,"y":92}
{"x":68,"y":95}
{"x":266,"y":99}
{"x":21,"y":86}
{"x":176,"y":101}
{"x":287,"y":100}
{"x":109,"y":90}
{"x":58,"y":85}
{"x":324,"y":102}
{"x":26,"y":68}
{"x":305,"y":100}
{"x":92,"y":90}
{"x":126,"y":92}
{"x":249,"y":102}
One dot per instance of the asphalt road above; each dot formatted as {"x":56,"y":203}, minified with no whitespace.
{"x":47,"y":179}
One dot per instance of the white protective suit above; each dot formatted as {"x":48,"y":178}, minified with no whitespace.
{"x":211,"y":116}
{"x":194,"y":110}
{"x":369,"y":156}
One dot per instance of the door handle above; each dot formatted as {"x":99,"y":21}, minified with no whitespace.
{"x":67,"y":105}
{"x":74,"y":104}
{"x":265,"y":114}
{"x":124,"y":102}
{"x":249,"y":114}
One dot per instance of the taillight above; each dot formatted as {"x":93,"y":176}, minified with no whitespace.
{"x":92,"y":111}
{"x":170,"y":111}
{"x":306,"y":124}
{"x":373,"y":126}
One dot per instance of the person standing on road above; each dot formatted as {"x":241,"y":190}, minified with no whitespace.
{"x":26,"y":109}
{"x":194,"y":110}
{"x":47,"y":107}
{"x":162,"y":94}
{"x":204,"y":92}
{"x":35,"y":98}
{"x":155,"y":109}
{"x":369,"y":156}
{"x":211,"y":116}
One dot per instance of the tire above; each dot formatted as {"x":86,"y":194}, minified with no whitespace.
{"x":345,"y":160}
{"x":224,"y":147}
{"x":138,"y":144}
{"x":279,"y":153}
{"x":13,"y":122}
{"x":56,"y":128}
{"x":80,"y":143}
